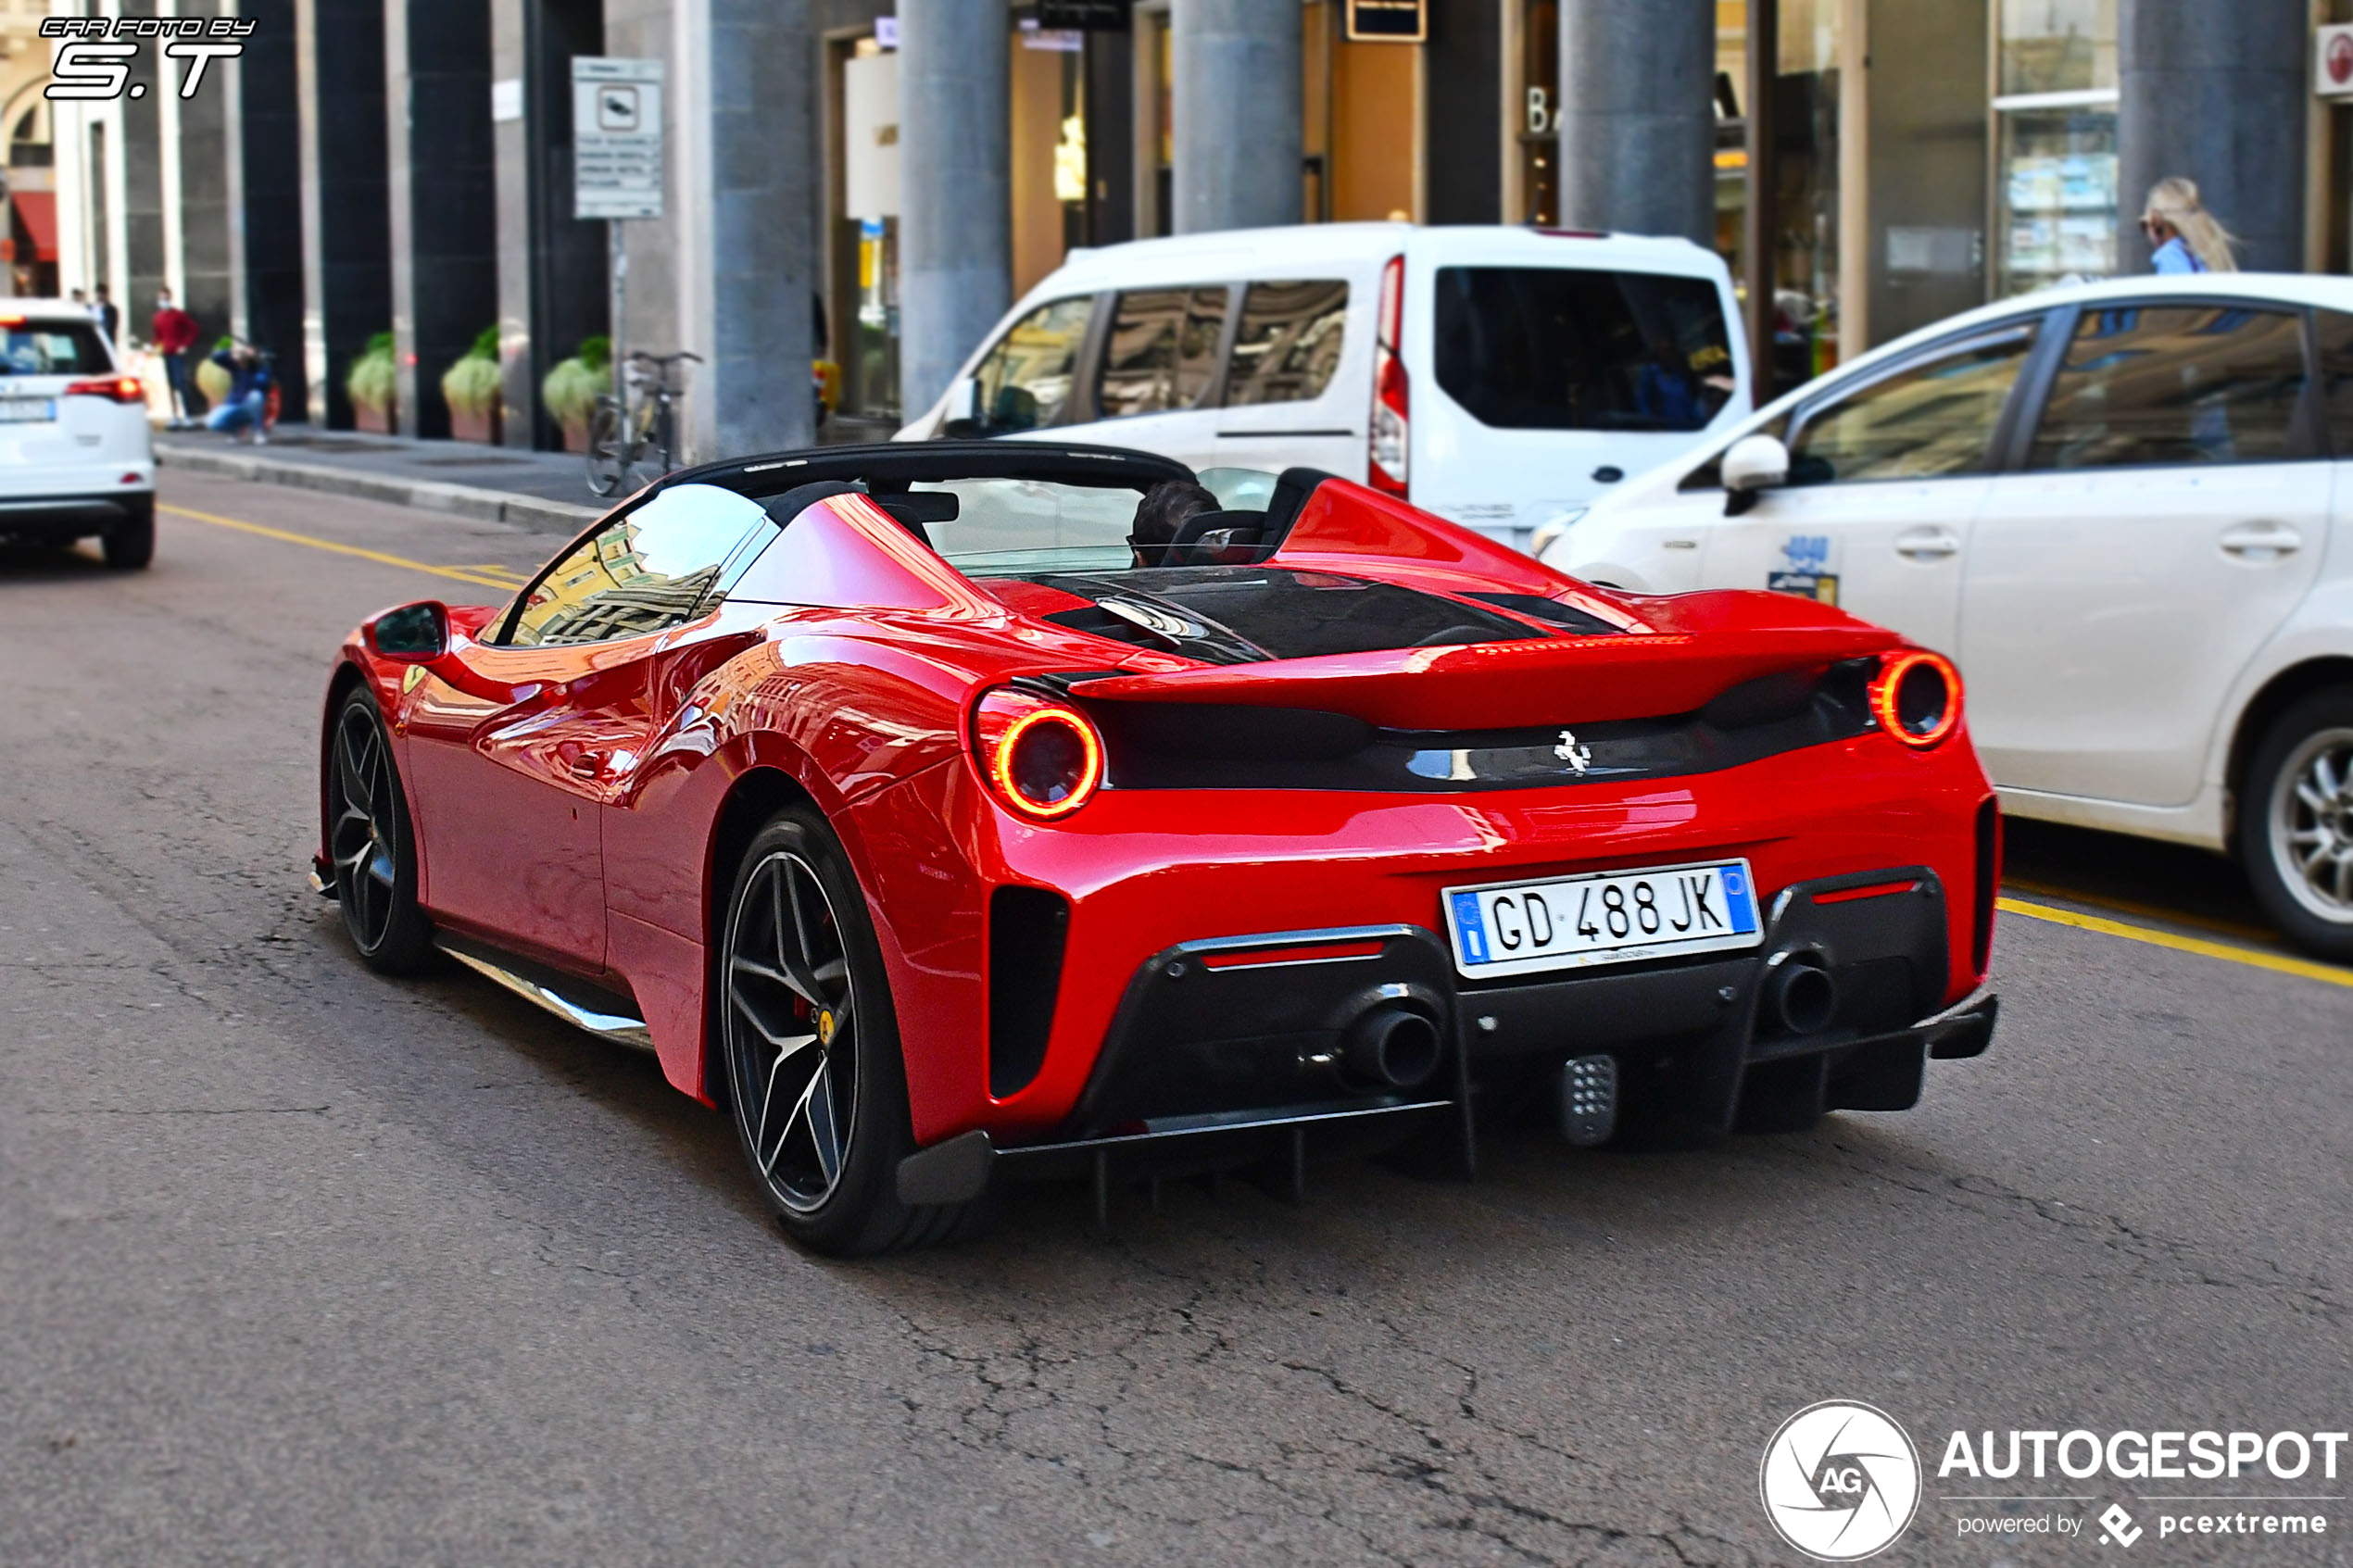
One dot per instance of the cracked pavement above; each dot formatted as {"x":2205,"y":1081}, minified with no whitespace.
{"x":301,"y":1266}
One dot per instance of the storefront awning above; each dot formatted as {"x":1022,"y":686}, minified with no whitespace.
{"x":37,"y":210}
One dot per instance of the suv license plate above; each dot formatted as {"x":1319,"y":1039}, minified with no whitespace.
{"x":22,"y":411}
{"x":1601,"y":918}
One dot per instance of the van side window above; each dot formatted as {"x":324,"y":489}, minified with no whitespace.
{"x":1573,"y":348}
{"x":1289,"y":342}
{"x":1162,"y":353}
{"x":1025,"y":378}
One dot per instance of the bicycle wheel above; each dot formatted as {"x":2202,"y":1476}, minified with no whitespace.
{"x":653,"y":455}
{"x":610,"y":451}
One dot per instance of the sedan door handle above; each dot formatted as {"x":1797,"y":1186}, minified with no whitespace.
{"x":1927,"y":544}
{"x":2261,"y":541}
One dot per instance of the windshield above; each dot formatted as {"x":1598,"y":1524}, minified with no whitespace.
{"x":1016,"y":527}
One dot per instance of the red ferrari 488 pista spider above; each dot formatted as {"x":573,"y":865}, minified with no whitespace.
{"x":917,"y":804}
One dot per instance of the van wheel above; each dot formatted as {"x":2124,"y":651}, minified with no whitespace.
{"x":131,"y":544}
{"x":2295,"y":823}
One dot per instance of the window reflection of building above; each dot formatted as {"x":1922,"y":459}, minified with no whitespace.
{"x":605,"y":591}
{"x":1289,"y":342}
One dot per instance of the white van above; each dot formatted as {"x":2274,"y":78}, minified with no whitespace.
{"x":1500,"y":378}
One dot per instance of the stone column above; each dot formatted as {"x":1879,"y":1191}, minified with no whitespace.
{"x":207,"y":285}
{"x":1637,"y":117}
{"x":955,"y":221}
{"x":267,"y":297}
{"x":346,"y":247}
{"x":1237,"y":114}
{"x":444,"y":202}
{"x":144,"y":265}
{"x":2216,"y":93}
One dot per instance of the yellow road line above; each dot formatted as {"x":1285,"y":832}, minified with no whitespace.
{"x":460,"y":573}
{"x":2146,"y":911}
{"x":2254,"y":958}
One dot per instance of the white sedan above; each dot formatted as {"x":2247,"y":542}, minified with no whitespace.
{"x":76,"y":455}
{"x":2125,"y":509}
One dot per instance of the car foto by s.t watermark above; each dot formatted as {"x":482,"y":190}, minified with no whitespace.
{"x":1841,"y":1481}
{"x":94,"y":57}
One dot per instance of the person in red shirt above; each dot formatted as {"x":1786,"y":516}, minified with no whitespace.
{"x":174,"y":333}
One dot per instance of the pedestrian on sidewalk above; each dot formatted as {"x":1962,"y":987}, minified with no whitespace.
{"x":2184,"y":235}
{"x":249,"y":396}
{"x":174,"y":333}
{"x":110,"y":316}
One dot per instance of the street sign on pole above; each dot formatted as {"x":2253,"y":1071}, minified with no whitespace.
{"x":616,"y":137}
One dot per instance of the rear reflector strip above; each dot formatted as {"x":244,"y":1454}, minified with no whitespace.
{"x":1311,"y":952}
{"x":1876,"y":890}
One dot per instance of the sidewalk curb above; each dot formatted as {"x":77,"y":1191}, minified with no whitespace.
{"x":435,"y":496}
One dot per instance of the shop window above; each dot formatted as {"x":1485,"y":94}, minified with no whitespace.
{"x":1289,"y":342}
{"x":2150,"y":384}
{"x":1931,"y":418}
{"x":1162,"y":350}
{"x":1560,"y":348}
{"x":2054,"y":199}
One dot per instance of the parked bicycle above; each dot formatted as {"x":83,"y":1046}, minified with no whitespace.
{"x":634,"y":444}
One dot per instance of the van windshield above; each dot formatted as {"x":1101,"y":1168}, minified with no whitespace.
{"x":1566,"y":348}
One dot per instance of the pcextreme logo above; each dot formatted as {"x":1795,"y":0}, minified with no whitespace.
{"x":1840,"y":1480}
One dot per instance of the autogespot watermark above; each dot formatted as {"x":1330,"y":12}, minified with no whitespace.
{"x":1841,"y":1481}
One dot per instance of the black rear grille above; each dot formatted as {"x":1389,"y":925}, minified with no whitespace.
{"x":1027,"y":927}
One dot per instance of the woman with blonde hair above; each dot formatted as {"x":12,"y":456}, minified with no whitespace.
{"x":2184,"y":235}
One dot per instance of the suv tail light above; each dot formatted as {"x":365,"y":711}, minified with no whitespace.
{"x":1385,"y":449}
{"x":1040,"y":758}
{"x":115,"y":389}
{"x":1917,"y":697}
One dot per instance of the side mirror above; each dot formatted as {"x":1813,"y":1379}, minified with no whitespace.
{"x":960,"y":415}
{"x":1752,"y":465}
{"x":416,"y":634}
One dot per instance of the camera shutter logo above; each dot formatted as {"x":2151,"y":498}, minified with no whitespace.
{"x":1841,"y":1481}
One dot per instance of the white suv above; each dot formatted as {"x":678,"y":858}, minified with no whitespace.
{"x":75,"y":457}
{"x":2126,"y":510}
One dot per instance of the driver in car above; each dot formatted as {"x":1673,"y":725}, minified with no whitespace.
{"x":1166,"y":508}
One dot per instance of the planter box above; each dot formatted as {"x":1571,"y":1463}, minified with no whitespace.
{"x":376,"y":421}
{"x":483,"y":426}
{"x":576,"y":435}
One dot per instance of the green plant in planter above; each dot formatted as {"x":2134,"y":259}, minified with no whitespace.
{"x":471,"y":385}
{"x":572,"y":387}
{"x":373,"y":380}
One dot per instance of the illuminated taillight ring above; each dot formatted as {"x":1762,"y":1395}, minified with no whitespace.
{"x":1889,"y":703}
{"x":1005,"y":757}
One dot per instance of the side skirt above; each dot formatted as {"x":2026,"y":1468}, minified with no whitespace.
{"x":585,"y":1005}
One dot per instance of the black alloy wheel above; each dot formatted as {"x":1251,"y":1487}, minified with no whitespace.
{"x":370,"y":841}
{"x":812,"y":1046}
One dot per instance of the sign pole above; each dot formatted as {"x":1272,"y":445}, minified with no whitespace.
{"x":620,"y":269}
{"x":617,"y":168}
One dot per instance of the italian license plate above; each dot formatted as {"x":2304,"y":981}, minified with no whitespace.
{"x":20,"y":410}
{"x":1601,"y":918}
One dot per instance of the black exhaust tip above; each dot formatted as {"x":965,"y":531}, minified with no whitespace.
{"x":1393,"y":1046}
{"x":1800,"y":996}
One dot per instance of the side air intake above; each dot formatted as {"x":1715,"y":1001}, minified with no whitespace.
{"x":1027,"y":927}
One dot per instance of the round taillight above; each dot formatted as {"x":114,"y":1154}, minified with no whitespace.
{"x":1043,"y":760}
{"x":1917,"y":697}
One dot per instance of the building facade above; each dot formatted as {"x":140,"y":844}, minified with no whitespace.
{"x":870,"y":182}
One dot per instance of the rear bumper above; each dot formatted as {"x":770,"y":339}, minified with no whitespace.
{"x":1236,"y":1051}
{"x":71,"y":516}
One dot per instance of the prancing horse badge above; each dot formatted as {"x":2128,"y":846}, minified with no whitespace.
{"x":1577,"y":756}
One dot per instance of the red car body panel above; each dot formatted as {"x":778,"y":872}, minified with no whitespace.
{"x":568,"y":800}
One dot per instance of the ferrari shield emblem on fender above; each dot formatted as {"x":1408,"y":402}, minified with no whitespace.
{"x":411,"y":678}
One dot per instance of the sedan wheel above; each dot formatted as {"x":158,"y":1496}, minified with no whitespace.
{"x":811,"y":1047}
{"x":2296,"y":824}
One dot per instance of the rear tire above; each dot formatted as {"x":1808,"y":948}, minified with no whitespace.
{"x":131,"y":544}
{"x":2295,"y":823}
{"x":608,"y":448}
{"x":811,"y":1051}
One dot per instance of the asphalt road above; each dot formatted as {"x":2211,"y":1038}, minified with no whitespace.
{"x":298,"y":1265}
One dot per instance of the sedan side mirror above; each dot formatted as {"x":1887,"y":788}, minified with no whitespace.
{"x":1752,"y":465}
{"x":416,"y":634}
{"x":960,"y":417}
